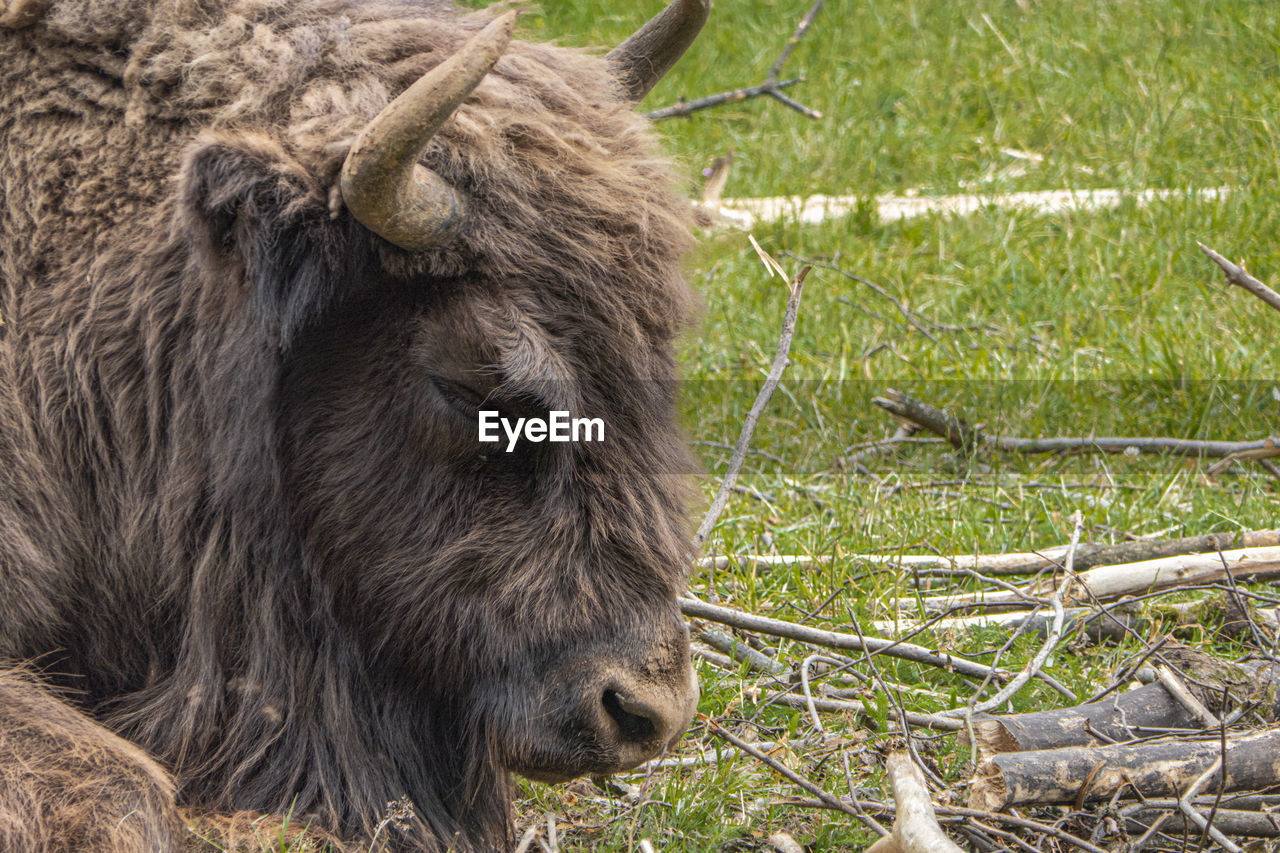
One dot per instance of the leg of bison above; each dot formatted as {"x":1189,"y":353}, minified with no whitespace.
{"x":68,"y":784}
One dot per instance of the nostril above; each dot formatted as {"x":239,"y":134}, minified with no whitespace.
{"x":637,"y":722}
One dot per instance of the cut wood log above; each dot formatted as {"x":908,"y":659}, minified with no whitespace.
{"x":1106,"y":583}
{"x":1249,"y":824}
{"x":1141,"y":712}
{"x":1160,"y":768}
{"x":915,"y":828}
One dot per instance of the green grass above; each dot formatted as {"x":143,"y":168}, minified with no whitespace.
{"x":1085,"y":323}
{"x":926,"y":94}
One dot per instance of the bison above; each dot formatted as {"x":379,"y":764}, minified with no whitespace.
{"x":262,"y":262}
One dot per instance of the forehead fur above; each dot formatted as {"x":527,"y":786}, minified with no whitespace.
{"x":568,"y":192}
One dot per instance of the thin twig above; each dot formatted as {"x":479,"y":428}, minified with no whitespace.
{"x":780,"y":362}
{"x":972,"y":814}
{"x":907,"y":313}
{"x":963,"y":436}
{"x":1235,"y":597}
{"x":683,"y":108}
{"x":1050,"y":643}
{"x":696,"y":609}
{"x":808,"y":693}
{"x":781,"y":769}
{"x":772,"y":86}
{"x":1186,"y":807}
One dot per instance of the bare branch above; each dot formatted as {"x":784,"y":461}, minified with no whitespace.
{"x":916,"y":829}
{"x":1051,"y":641}
{"x":962,"y":436}
{"x":741,"y":652}
{"x":833,"y":640}
{"x":1237,"y":275}
{"x":1172,"y":683}
{"x":780,"y":362}
{"x":829,"y":800}
{"x":1087,"y":556}
{"x":1109,"y":582}
{"x":771,"y":86}
{"x":1185,"y":806}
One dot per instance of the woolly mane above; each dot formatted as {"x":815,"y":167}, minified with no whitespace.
{"x":144,"y":354}
{"x":564,"y":175}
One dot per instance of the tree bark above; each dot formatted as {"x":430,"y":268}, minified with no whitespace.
{"x":1141,"y":712}
{"x":1156,"y":769}
{"x":1249,"y":824}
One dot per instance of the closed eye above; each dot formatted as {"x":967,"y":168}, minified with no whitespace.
{"x":467,"y":399}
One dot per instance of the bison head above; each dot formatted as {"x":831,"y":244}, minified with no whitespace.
{"x":499,"y":237}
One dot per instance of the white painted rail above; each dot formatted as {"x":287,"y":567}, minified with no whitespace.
{"x":746,"y":212}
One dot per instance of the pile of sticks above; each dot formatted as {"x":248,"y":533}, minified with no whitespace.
{"x":1194,"y":750}
{"x":1190,"y":757}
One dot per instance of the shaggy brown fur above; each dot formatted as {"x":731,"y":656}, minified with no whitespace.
{"x":67,"y":785}
{"x":243,"y":515}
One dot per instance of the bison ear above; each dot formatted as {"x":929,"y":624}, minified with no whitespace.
{"x":237,"y":187}
{"x":255,"y":215}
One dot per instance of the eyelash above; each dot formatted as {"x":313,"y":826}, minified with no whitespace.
{"x":459,"y":401}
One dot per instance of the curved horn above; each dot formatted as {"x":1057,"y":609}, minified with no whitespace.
{"x":22,"y":13}
{"x":382,"y":182}
{"x":642,"y":60}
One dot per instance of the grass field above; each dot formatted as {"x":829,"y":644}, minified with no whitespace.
{"x":1076,"y":324}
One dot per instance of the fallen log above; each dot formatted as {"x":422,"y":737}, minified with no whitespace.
{"x":1141,"y":712}
{"x":915,"y":827}
{"x":1106,"y":583}
{"x":1160,"y":768}
{"x":1249,"y":824}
